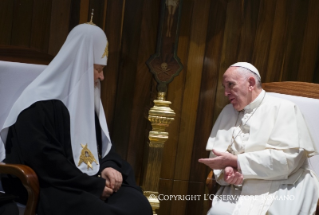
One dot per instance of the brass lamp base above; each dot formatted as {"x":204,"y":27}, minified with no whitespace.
{"x":160,"y":116}
{"x":153,"y":200}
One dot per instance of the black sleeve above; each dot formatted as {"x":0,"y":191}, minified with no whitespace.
{"x":40,"y":138}
{"x":112,"y":159}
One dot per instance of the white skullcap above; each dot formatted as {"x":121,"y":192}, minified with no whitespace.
{"x":248,"y":66}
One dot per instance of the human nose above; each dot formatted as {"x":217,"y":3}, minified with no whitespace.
{"x":226,"y":92}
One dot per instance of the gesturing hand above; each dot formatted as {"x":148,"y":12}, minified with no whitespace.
{"x":232,"y":176}
{"x":222,"y":160}
{"x":113,"y":178}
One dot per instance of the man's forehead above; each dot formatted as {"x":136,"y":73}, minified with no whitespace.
{"x":231,"y":73}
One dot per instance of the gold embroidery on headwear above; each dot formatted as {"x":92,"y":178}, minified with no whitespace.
{"x":106,"y":51}
{"x":87,"y":157}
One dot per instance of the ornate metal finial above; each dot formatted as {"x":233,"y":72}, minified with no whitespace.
{"x":161,"y":96}
{"x":91,"y":21}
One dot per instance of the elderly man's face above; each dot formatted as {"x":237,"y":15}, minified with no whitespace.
{"x":236,"y":88}
{"x":98,"y":73}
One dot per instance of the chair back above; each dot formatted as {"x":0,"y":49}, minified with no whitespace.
{"x":306,"y":97}
{"x":14,"y":78}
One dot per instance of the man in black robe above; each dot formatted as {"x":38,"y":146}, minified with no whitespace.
{"x":40,"y":136}
{"x":41,"y":139}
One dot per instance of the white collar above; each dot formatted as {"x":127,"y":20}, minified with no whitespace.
{"x":254,"y":104}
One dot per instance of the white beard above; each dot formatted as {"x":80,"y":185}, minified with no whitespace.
{"x":97,"y":97}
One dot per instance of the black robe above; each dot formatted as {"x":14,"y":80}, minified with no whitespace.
{"x":40,"y":138}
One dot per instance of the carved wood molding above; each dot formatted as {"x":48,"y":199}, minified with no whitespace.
{"x":24,"y":55}
{"x":295,"y":88}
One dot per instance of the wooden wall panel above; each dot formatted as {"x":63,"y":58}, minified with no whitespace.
{"x":126,"y":81}
{"x":40,"y":30}
{"x":278,"y":42}
{"x":98,"y":6}
{"x":59,"y":27}
{"x":296,"y":28}
{"x":165,"y":187}
{"x":175,"y":94}
{"x":263,"y":35}
{"x":178,"y":207}
{"x":195,"y":60}
{"x":316,"y":70}
{"x":84,"y":8}
{"x":192,"y":87}
{"x":204,"y":123}
{"x":230,"y":50}
{"x":6,"y":19}
{"x":75,"y":11}
{"x":309,"y":55}
{"x":142,"y":86}
{"x":198,"y":205}
{"x":22,"y":23}
{"x":113,"y":27}
{"x":249,"y":19}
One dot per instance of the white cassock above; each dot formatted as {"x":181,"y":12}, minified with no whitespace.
{"x":272,"y":144}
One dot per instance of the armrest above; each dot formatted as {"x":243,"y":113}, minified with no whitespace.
{"x":29,"y":180}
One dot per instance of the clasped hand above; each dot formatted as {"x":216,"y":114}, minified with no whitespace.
{"x":227,"y":162}
{"x":232,"y":176}
{"x":113,"y":181}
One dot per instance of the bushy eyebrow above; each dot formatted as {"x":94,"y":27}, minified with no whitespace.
{"x":229,"y":82}
{"x":99,"y":69}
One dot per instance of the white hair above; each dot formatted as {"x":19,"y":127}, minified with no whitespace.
{"x":247,"y":74}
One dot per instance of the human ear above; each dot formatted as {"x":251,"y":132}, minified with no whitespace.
{"x":252,"y":83}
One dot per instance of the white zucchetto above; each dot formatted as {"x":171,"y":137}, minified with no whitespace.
{"x":248,"y":66}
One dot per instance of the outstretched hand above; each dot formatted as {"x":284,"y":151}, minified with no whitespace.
{"x":222,"y":160}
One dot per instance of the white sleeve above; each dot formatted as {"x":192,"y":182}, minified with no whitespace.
{"x":271,"y":164}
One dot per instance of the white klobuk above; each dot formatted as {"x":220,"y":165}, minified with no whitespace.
{"x":68,"y":78}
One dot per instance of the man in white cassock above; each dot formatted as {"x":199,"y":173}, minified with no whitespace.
{"x":57,"y":127}
{"x":259,"y":148}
